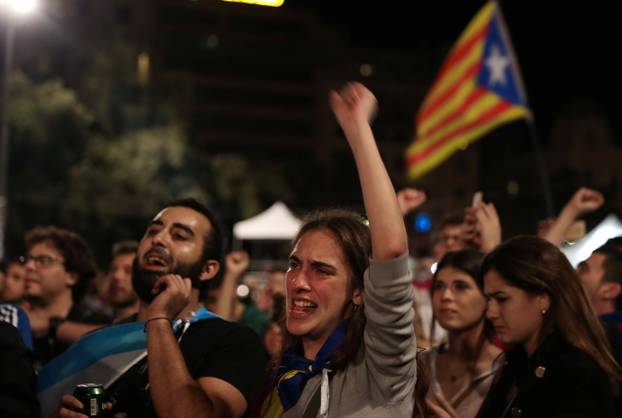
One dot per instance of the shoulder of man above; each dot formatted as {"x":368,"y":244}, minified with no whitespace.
{"x":228,"y":351}
{"x":216,"y":333}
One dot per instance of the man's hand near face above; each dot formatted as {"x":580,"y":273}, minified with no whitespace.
{"x":173,"y":295}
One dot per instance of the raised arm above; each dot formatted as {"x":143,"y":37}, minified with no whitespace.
{"x":483,"y":227}
{"x":236,"y":263}
{"x":583,"y":201}
{"x":354,"y":107}
{"x":390,"y":344}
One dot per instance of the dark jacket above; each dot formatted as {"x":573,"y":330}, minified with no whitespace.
{"x":17,"y":377}
{"x":559,"y":380}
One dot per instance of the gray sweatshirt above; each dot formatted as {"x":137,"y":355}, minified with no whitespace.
{"x":381,"y":381}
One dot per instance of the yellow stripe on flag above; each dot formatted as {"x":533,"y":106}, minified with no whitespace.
{"x":460,"y":141}
{"x":449,"y":107}
{"x":454,"y":76}
{"x":486,"y":102}
{"x":480,"y":20}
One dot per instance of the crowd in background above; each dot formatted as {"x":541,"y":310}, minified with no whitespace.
{"x":484,"y":327}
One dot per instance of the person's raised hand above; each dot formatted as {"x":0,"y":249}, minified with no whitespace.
{"x":410,"y":199}
{"x":237,"y":262}
{"x":354,"y":105}
{"x":489,"y":227}
{"x":584,"y":201}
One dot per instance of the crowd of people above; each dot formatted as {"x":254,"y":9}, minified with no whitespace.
{"x":356,"y":326}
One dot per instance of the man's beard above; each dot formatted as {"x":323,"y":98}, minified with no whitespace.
{"x":143,"y":279}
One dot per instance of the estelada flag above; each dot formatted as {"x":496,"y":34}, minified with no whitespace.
{"x":478,"y":88}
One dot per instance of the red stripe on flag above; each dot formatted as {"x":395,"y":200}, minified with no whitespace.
{"x":471,"y":72}
{"x":474,"y":96}
{"x":485,"y":117}
{"x":459,"y":54}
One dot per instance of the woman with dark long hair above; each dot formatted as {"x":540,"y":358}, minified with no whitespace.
{"x":350,"y":349}
{"x":462,"y":368}
{"x":560,"y":364}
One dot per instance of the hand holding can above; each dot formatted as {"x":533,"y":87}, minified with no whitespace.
{"x":92,"y":396}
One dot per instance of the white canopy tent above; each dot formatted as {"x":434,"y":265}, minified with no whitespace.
{"x":275,"y":223}
{"x":610,"y":227}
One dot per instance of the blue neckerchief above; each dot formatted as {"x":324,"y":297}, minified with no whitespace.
{"x":179,"y":325}
{"x":295,"y":370}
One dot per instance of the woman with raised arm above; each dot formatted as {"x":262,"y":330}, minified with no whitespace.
{"x":560,"y":364}
{"x":351,"y":346}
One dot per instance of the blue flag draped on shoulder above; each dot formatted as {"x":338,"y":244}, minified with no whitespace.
{"x":100,"y":357}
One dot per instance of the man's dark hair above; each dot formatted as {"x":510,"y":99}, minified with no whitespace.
{"x":213,"y":241}
{"x":124,"y":247}
{"x":612,"y":266}
{"x":77,"y":255}
{"x":451,"y":219}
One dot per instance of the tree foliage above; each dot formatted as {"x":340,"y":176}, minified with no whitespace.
{"x":66,"y":173}
{"x":48,"y":133}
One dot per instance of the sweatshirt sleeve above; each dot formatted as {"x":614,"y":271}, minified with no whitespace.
{"x":389,"y":336}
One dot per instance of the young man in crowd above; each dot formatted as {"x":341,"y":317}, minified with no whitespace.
{"x":13,"y":284}
{"x":121,"y":294}
{"x":601,"y":276}
{"x":58,"y":266}
{"x":213,"y":368}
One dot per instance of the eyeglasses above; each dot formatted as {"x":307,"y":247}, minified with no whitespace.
{"x":40,"y":260}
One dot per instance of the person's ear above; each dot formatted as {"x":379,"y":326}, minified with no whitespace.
{"x":610,"y":290}
{"x":71,"y":278}
{"x":357,"y":297}
{"x":545,"y":303}
{"x":210,"y":270}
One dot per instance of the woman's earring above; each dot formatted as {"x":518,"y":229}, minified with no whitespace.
{"x":543,"y":311}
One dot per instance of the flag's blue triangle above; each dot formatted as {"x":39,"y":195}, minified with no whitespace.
{"x":498,"y":72}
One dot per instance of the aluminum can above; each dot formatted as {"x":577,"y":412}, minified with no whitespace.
{"x":92,"y":397}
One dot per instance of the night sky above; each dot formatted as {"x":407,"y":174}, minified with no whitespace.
{"x":566,"y":50}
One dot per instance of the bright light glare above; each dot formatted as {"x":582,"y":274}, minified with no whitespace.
{"x":243,"y":291}
{"x":269,"y":3}
{"x":22,"y":7}
{"x":610,"y":227}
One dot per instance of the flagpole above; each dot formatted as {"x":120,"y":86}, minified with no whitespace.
{"x":545,"y":183}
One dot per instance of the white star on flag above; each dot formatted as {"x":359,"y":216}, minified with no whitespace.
{"x":497,"y":63}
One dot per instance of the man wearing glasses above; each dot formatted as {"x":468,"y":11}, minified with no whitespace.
{"x":58,"y":267}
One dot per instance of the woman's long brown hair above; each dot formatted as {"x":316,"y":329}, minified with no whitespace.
{"x":538,"y":267}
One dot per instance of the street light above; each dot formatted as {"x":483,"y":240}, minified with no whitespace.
{"x":22,"y":7}
{"x":11,"y":10}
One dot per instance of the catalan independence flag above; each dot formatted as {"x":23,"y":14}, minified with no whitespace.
{"x":477,"y":89}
